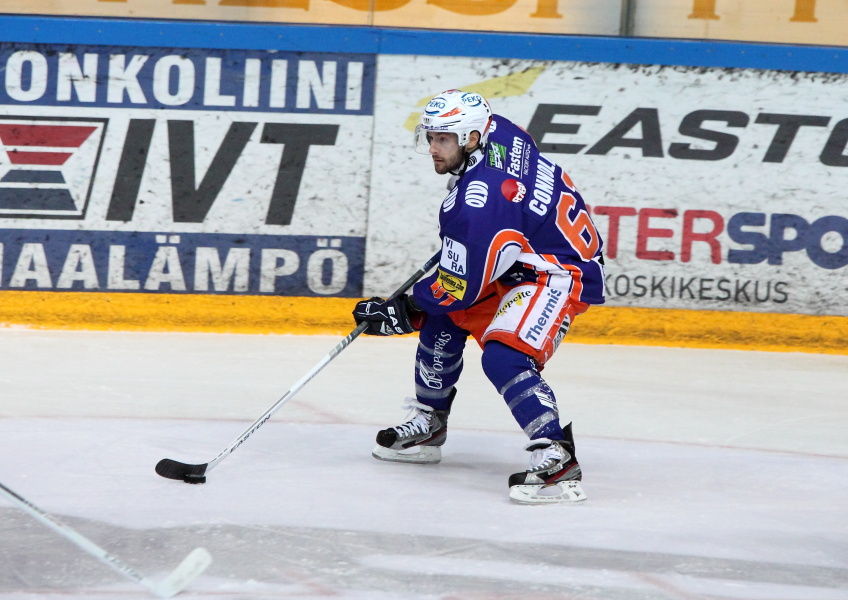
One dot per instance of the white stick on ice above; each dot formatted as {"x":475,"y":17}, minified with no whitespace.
{"x":192,"y":565}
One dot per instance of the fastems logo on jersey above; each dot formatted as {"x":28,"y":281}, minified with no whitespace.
{"x":108,"y":261}
{"x":519,"y":158}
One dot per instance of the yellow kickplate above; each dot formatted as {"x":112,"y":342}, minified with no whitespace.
{"x":276,"y":314}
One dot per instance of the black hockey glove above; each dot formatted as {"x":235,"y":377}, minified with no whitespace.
{"x":389,"y":317}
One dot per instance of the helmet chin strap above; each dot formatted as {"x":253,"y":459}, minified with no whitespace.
{"x":466,"y":153}
{"x":461,"y":171}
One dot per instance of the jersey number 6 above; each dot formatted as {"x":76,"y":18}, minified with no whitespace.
{"x":580,"y":232}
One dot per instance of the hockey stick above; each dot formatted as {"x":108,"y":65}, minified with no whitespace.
{"x":192,"y":565}
{"x":172,"y":469}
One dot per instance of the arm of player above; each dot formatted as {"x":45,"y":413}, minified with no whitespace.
{"x":465,"y":270}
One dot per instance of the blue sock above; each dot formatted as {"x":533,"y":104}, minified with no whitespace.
{"x":528,"y":396}
{"x":438,"y":361}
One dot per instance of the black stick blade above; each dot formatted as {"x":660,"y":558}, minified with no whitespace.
{"x":172,"y":469}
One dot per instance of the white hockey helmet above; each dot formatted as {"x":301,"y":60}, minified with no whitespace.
{"x":456,"y":112}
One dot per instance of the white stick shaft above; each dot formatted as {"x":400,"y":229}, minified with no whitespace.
{"x":314,"y":371}
{"x":287,"y":396}
{"x":72,"y":535}
{"x":199,"y":558}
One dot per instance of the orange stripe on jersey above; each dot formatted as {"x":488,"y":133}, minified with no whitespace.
{"x":576,"y":282}
{"x":551,"y":258}
{"x":502,"y":239}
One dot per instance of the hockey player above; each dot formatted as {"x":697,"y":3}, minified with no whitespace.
{"x":520,"y":260}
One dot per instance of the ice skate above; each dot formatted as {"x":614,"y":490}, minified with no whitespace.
{"x":554,"y":474}
{"x":419,"y":440}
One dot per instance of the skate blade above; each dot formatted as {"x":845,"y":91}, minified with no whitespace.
{"x":419,"y":454}
{"x":564,"y":492}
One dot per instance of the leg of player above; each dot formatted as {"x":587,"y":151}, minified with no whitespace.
{"x":554,"y":474}
{"x":438,"y":364}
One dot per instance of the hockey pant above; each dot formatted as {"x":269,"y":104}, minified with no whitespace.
{"x":519,"y":329}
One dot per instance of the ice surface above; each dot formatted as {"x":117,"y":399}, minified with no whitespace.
{"x":710,"y":474}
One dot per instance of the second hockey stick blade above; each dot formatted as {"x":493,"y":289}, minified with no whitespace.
{"x":192,"y":565}
{"x":172,"y":469}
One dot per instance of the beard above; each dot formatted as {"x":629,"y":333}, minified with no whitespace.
{"x":449,"y":163}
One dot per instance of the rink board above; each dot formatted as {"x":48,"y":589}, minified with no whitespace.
{"x":222,"y":180}
{"x":315,"y":316}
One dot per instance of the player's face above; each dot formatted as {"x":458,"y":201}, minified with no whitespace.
{"x":446,"y":152}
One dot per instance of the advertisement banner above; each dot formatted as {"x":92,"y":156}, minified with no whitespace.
{"x":822,"y":22}
{"x":714,"y":189}
{"x":158,"y":170}
{"x":595,"y":17}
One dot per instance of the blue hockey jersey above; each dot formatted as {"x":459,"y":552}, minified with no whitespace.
{"x":513,"y":216}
